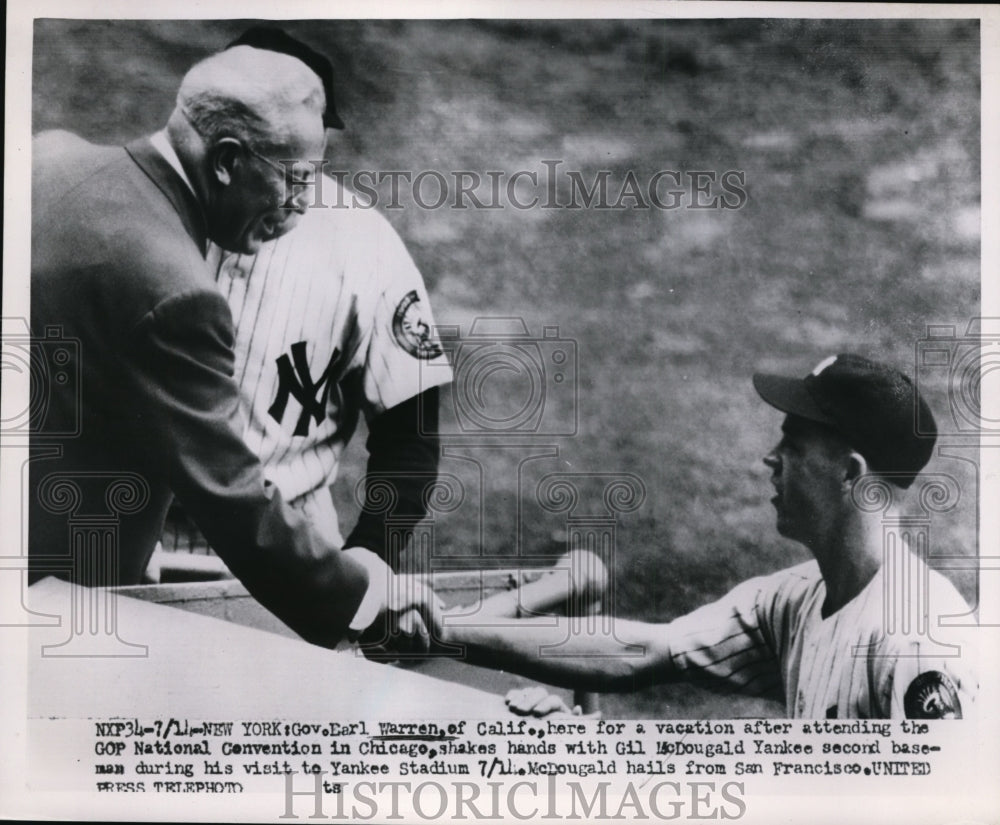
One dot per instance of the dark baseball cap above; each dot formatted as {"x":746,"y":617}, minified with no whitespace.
{"x":874,"y":406}
{"x":276,"y":40}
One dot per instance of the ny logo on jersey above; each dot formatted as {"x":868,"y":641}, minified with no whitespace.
{"x":294,"y":380}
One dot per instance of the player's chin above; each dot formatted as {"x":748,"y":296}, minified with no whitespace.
{"x":791,"y":529}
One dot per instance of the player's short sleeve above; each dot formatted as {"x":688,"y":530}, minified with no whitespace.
{"x":729,"y":643}
{"x":404,"y":356}
{"x":922,"y":686}
{"x":929,"y":672}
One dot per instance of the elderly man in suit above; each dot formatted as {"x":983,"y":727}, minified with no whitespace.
{"x":118,"y":242}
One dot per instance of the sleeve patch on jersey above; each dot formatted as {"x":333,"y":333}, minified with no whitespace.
{"x":932,"y":695}
{"x":411,"y":330}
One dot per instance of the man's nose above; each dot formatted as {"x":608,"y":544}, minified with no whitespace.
{"x":771,"y":460}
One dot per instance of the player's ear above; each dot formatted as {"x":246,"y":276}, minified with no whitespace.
{"x":855,"y":467}
{"x":223,"y":156}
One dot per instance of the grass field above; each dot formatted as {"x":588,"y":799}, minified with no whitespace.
{"x":859,"y":142}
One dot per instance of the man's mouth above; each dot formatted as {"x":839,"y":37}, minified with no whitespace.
{"x":274,"y":226}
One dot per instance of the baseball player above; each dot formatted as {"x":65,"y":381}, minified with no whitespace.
{"x":841,"y":636}
{"x":332,"y":322}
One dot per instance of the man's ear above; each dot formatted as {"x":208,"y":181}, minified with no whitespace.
{"x":223,"y":156}
{"x":857,"y":466}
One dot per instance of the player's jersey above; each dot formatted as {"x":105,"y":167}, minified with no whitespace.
{"x":873,"y":658}
{"x":332,"y":320}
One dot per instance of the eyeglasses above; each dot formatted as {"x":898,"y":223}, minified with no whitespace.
{"x":287,"y":174}
{"x":284,"y":169}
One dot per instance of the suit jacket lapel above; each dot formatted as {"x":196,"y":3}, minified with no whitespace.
{"x":176,"y":190}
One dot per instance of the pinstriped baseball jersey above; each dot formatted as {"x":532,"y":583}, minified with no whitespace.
{"x":332,"y":320}
{"x":768,"y":637}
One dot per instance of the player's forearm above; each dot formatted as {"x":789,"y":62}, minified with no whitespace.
{"x":403,"y":454}
{"x":628,"y":659}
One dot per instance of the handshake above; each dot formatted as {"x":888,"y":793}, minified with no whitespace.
{"x":412,"y":621}
{"x":398,"y":614}
{"x":408,"y":627}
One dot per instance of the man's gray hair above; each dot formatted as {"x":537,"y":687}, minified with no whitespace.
{"x":253,"y":95}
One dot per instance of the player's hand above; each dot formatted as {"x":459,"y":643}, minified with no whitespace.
{"x":537,"y":701}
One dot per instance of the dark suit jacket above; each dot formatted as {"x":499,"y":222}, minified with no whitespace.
{"x":147,"y":405}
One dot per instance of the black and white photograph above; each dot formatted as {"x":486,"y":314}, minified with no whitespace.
{"x":522,"y":412}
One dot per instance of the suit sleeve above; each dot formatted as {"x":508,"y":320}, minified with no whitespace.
{"x":183,"y":361}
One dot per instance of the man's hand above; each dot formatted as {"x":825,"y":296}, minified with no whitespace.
{"x":537,"y":701}
{"x":403,"y":627}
